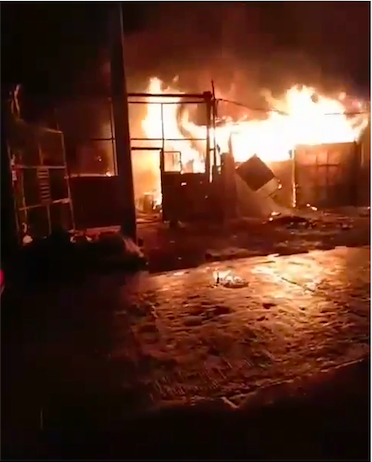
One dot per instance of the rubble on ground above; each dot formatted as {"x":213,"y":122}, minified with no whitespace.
{"x":292,"y":221}
{"x":65,"y":253}
{"x":229,"y":279}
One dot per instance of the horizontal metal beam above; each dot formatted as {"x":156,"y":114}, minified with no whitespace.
{"x":42,"y":167}
{"x":45,"y":204}
{"x":167,"y":102}
{"x":203,"y":96}
{"x":168,"y":139}
{"x":145,"y":148}
{"x":93,"y":140}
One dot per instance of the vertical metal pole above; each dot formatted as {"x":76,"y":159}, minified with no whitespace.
{"x":208,"y":99}
{"x":121,"y":128}
{"x":68,"y":178}
{"x":293,"y":178}
{"x":161,"y":166}
{"x":214,"y":115}
{"x":10,"y":236}
{"x":162,"y":134}
{"x":112,"y":134}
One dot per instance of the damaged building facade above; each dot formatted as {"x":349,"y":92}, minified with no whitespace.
{"x":179,"y":173}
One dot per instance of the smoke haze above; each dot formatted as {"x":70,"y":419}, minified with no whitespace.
{"x":253,"y":45}
{"x":243,"y":46}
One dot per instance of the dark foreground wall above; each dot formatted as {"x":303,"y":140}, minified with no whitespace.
{"x":95,"y":201}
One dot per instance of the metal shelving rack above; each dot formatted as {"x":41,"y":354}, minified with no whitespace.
{"x":40,"y":179}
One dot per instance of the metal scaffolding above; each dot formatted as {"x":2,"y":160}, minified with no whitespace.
{"x":205,"y":99}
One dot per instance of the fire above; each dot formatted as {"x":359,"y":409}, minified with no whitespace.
{"x":170,"y":131}
{"x":301,"y":117}
{"x":298,"y":119}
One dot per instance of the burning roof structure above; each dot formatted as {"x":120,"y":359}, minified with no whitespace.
{"x":300,"y":117}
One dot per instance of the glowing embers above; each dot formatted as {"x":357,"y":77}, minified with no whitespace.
{"x":228,"y":279}
{"x":274,"y":215}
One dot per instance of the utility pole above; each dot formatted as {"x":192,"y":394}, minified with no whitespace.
{"x":121,"y":127}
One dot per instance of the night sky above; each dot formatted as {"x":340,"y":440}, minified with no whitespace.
{"x":57,"y":49}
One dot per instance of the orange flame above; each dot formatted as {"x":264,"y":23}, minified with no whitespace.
{"x":301,"y":117}
{"x":174,"y":141}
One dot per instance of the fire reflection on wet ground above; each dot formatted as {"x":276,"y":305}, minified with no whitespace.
{"x":296,"y":315}
{"x":111,"y":345}
{"x":182,"y":336}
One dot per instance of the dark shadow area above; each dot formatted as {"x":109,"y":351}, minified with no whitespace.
{"x":329,"y":421}
{"x":73,"y":405}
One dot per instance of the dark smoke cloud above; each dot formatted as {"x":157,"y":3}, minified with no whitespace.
{"x":253,"y":45}
{"x":241,"y":45}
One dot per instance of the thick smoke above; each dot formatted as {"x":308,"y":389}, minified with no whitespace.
{"x":246,"y":47}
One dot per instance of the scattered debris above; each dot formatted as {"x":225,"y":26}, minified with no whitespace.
{"x":229,"y":279}
{"x":346,"y":226}
{"x":292,"y":221}
{"x":26,"y":239}
{"x":63,"y":253}
{"x":80,"y":237}
{"x":311,"y":207}
{"x":229,"y":403}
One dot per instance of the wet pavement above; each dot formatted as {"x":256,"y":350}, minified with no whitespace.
{"x":323,"y":417}
{"x":144,"y":341}
{"x":193,"y":244}
{"x":295,"y":315}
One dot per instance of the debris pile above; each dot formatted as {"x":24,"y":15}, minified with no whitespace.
{"x":64,"y":254}
{"x":229,"y":279}
{"x":292,"y":221}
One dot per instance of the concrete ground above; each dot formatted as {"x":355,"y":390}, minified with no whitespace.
{"x":79,"y":359}
{"x":194,"y":244}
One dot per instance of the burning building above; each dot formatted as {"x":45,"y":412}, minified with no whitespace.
{"x":304,"y":138}
{"x":180,"y":142}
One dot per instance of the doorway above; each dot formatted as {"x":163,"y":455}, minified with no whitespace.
{"x":147,"y":181}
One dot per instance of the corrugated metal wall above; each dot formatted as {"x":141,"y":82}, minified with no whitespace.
{"x":327,"y":175}
{"x":364,"y":183}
